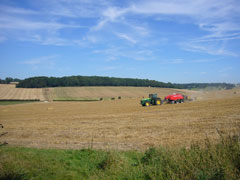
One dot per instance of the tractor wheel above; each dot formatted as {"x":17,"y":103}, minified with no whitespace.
{"x":158,"y":102}
{"x":147,"y":104}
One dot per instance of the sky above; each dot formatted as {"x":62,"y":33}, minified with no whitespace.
{"x":178,"y":41}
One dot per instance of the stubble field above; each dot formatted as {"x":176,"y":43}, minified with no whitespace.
{"x":9,"y":92}
{"x":121,"y":124}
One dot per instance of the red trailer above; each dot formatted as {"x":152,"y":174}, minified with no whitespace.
{"x":175,"y":98}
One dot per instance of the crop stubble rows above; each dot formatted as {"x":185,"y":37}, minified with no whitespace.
{"x":119,"y":124}
{"x":9,"y":92}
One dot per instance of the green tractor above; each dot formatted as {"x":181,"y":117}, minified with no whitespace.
{"x":152,"y":100}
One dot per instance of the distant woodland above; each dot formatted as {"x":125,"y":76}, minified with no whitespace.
{"x":41,"y":82}
{"x":8,"y":80}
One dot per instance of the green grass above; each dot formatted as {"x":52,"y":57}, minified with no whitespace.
{"x":14,"y":102}
{"x":212,"y":162}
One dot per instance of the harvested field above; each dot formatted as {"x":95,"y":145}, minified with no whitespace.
{"x":109,"y":91}
{"x":120,"y":124}
{"x":10,"y":92}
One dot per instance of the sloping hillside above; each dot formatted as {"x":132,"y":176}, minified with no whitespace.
{"x":10,"y":92}
{"x":108,"y":91}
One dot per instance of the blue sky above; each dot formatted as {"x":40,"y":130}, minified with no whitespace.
{"x":179,"y":41}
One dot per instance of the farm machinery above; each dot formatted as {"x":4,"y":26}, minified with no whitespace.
{"x":174,"y":98}
{"x":151,"y":100}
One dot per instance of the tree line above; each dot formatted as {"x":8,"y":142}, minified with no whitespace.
{"x":205,"y":85}
{"x":42,"y":81}
{"x":8,"y":80}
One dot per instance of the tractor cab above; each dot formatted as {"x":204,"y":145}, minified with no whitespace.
{"x":153,"y":96}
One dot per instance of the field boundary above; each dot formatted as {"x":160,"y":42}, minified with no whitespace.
{"x":32,"y":100}
{"x":76,"y":99}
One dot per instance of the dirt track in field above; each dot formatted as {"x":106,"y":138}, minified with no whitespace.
{"x":120,"y":124}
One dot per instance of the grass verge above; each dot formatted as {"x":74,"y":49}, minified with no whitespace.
{"x":213,"y":162}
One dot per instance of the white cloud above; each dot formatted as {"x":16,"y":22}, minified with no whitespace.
{"x":126,"y":37}
{"x":221,"y":32}
{"x":45,"y":33}
{"x":214,"y":49}
{"x":41,"y":60}
{"x":202,"y":10}
{"x":100,"y":25}
{"x":137,"y":54}
{"x":185,"y":61}
{"x":36,"y":26}
{"x":91,"y":38}
{"x":217,"y":19}
{"x":202,"y":60}
{"x":16,"y":10}
{"x":110,"y":14}
{"x":143,"y":31}
{"x":73,"y":8}
{"x":220,"y":19}
{"x":7,"y":22}
{"x":48,"y":40}
{"x":47,"y":62}
{"x":164,"y":7}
